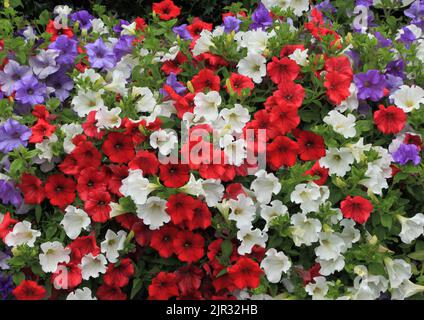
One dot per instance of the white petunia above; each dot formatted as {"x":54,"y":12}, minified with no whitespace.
{"x":268,"y":213}
{"x":330,"y":246}
{"x":265,"y":185}
{"x":408,"y":98}
{"x":70,"y":130}
{"x":108,"y":119}
{"x":137,"y":187}
{"x":118,"y":83}
{"x":412,"y":228}
{"x":398,"y":270}
{"x":236,"y":118}
{"x":203,"y":43}
{"x":206,"y":106}
{"x":299,"y":6}
{"x":22,"y":234}
{"x":304,"y":230}
{"x":344,"y":125}
{"x":74,"y":221}
{"x":81,"y":294}
{"x":250,"y":238}
{"x":406,"y":289}
{"x":351,"y":103}
{"x":146,"y":102}
{"x":153,"y":213}
{"x":328,"y":267}
{"x":92,"y":266}
{"x":53,"y":254}
{"x":164,"y":140}
{"x":300,"y":57}
{"x":86,"y":101}
{"x":234,"y":150}
{"x":214,"y":191}
{"x":253,"y":66}
{"x":113,"y":243}
{"x":319,"y":289}
{"x":274,"y":264}
{"x":308,"y":195}
{"x":243,"y":211}
{"x":338,"y":161}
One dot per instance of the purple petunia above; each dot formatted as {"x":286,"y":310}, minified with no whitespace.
{"x":59,"y":85}
{"x":83,"y":17}
{"x":9,"y":194}
{"x":123,"y":46}
{"x":407,"y":37}
{"x":370,"y":85}
{"x":231,"y":24}
{"x":6,"y":286}
{"x":172,"y":81}
{"x":30,"y":91}
{"x":416,"y":13}
{"x":382,"y":41}
{"x":326,"y":6}
{"x":100,"y":56}
{"x":44,"y":63}
{"x":12,"y":135}
{"x":396,"y":68}
{"x":67,"y":48}
{"x":182,"y":32}
{"x":118,"y":28}
{"x":3,"y":260}
{"x":406,"y":153}
{"x":261,"y":18}
{"x":11,"y":75}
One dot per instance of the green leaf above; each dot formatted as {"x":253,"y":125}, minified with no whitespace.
{"x":18,"y":278}
{"x":38,"y":212}
{"x":417,"y":255}
{"x":227,"y":248}
{"x":136,"y":287}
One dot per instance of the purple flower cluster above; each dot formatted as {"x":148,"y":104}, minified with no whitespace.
{"x":9,"y":194}
{"x":407,"y":153}
{"x":12,"y":135}
{"x":261,"y":18}
{"x":370,"y":85}
{"x":6,"y":286}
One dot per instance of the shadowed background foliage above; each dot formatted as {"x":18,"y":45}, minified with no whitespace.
{"x":205,"y":9}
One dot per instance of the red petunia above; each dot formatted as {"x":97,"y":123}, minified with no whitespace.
{"x":189,"y":278}
{"x":357,"y":208}
{"x":90,"y":128}
{"x":42,"y":129}
{"x":6,"y":225}
{"x":290,"y":48}
{"x":285,"y":118}
{"x":60,"y":190}
{"x":105,"y":292}
{"x":233,"y":190}
{"x":162,"y":240}
{"x":163,"y":286}
{"x":87,"y":155}
{"x":337,"y":86}
{"x":174,"y":66}
{"x":115,"y":174}
{"x":290,"y":94}
{"x":189,"y":246}
{"x":240,"y":83}
{"x":206,"y":80}
{"x":119,"y":275}
{"x":142,"y":233}
{"x":29,"y":290}
{"x":282,"y":151}
{"x":180,"y":207}
{"x":311,"y":145}
{"x":69,"y":165}
{"x":166,"y":9}
{"x":89,"y":180}
{"x":32,"y":189}
{"x":55,"y":33}
{"x":118,"y":147}
{"x":146,"y":161}
{"x":67,"y":276}
{"x":390,"y":120}
{"x":197,"y":26}
{"x":82,"y":246}
{"x":319,"y":171}
{"x":283,"y":70}
{"x":340,"y":65}
{"x":174,"y":175}
{"x":246,"y":273}
{"x":201,"y":217}
{"x":97,"y":206}
{"x":211,"y":61}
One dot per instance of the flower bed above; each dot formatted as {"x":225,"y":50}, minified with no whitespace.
{"x":277,"y":155}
